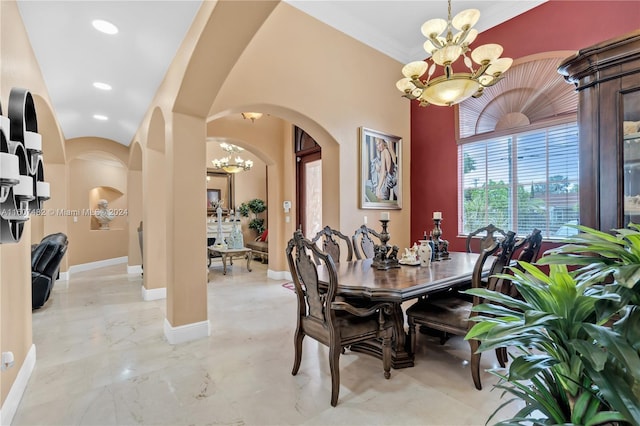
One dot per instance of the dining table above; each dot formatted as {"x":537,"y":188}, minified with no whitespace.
{"x":359,"y":279}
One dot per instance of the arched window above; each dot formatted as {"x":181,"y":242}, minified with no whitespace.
{"x":518,"y":152}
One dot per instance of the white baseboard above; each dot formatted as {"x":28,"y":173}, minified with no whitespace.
{"x":64,"y":276}
{"x":278,"y":275}
{"x":154,"y":293}
{"x":134,"y":269}
{"x":185,"y":333}
{"x":98,"y":264}
{"x":14,"y":396}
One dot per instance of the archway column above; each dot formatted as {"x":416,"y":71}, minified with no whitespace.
{"x":186,"y":230}
{"x":134,"y":195}
{"x":154,"y":219}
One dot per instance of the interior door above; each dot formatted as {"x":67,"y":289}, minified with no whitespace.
{"x":309,"y":193}
{"x":308,"y":182}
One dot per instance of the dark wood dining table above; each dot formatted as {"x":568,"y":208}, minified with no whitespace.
{"x":359,"y":279}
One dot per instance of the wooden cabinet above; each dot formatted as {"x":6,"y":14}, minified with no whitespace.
{"x":607,"y":77}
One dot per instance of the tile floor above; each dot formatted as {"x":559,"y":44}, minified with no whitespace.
{"x":102,"y":359}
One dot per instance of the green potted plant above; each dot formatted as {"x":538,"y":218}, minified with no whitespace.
{"x":577,"y":333}
{"x":255,"y":206}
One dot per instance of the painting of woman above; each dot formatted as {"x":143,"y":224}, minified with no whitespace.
{"x":380,"y":170}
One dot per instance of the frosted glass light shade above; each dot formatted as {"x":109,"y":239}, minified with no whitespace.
{"x":486,"y":52}
{"x":24,"y":188}
{"x":433,"y":27}
{"x":447,"y":55}
{"x":43,"y":190}
{"x":499,"y":66}
{"x":33,"y":141}
{"x":429,"y":47}
{"x":449,"y":92}
{"x":414,"y":69}
{"x":471,"y":36}
{"x":467,"y":18}
{"x":9,"y":168}
{"x":405,"y":85}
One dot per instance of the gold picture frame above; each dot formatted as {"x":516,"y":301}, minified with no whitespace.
{"x":380,"y":170}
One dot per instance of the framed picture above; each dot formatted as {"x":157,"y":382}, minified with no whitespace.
{"x":380,"y":170}
{"x":213,"y":197}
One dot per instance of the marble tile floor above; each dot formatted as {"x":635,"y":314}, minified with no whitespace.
{"x":102,"y":359}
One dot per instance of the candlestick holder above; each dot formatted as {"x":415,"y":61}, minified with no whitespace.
{"x":440,"y":246}
{"x":386,"y":257}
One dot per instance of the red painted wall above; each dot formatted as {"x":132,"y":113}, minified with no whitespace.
{"x":555,"y":25}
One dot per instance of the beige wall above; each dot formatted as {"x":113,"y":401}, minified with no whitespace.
{"x":18,"y":68}
{"x":97,"y":169}
{"x":86,"y":242}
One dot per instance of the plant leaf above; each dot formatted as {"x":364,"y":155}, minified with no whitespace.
{"x":526,"y":366}
{"x":605,"y":417}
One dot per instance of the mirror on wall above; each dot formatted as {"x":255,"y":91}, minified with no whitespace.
{"x":220,"y":186}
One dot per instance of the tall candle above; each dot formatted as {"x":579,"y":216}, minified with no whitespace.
{"x":365,"y":220}
{"x":437,"y":215}
{"x":384,"y":216}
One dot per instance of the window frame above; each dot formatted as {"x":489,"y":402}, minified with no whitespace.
{"x":513,"y":138}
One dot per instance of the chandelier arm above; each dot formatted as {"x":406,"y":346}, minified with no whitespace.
{"x":463,"y":37}
{"x":436,"y":43}
{"x":493,"y":81}
{"x":418,"y":83}
{"x":481,"y":70}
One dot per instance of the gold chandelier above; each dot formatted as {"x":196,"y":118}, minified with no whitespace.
{"x":449,"y":87}
{"x":232,"y":165}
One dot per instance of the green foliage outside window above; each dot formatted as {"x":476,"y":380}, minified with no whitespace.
{"x":492,"y":204}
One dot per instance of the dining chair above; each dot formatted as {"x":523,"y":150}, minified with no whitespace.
{"x":332,"y":241}
{"x":486,"y":240}
{"x":326,"y":318}
{"x":529,"y":248}
{"x":363,"y":244}
{"x":451,"y":314}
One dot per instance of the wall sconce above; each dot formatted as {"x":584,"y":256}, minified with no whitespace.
{"x":22,"y":185}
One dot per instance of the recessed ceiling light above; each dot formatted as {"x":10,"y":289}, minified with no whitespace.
{"x":100,"y":117}
{"x":101,"y":86}
{"x":104,"y":26}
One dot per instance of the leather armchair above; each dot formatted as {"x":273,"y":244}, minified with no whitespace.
{"x":46,"y":257}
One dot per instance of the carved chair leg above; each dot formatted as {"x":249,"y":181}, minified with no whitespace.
{"x":334,"y":366}
{"x":412,"y":335}
{"x":297,"y":343}
{"x":475,"y":363}
{"x":503,"y":358}
{"x":386,"y":352}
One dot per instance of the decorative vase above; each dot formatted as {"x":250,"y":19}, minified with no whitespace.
{"x":424,"y":253}
{"x":236,"y":240}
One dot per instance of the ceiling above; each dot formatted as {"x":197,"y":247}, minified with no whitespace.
{"x":73,"y":55}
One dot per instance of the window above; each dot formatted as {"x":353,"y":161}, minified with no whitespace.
{"x":521,"y":181}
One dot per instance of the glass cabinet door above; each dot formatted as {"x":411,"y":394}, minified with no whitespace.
{"x":631,"y":156}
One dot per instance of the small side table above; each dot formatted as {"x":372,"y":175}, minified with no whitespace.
{"x":231,"y":253}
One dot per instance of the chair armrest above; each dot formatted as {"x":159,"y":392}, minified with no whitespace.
{"x":361,"y":312}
